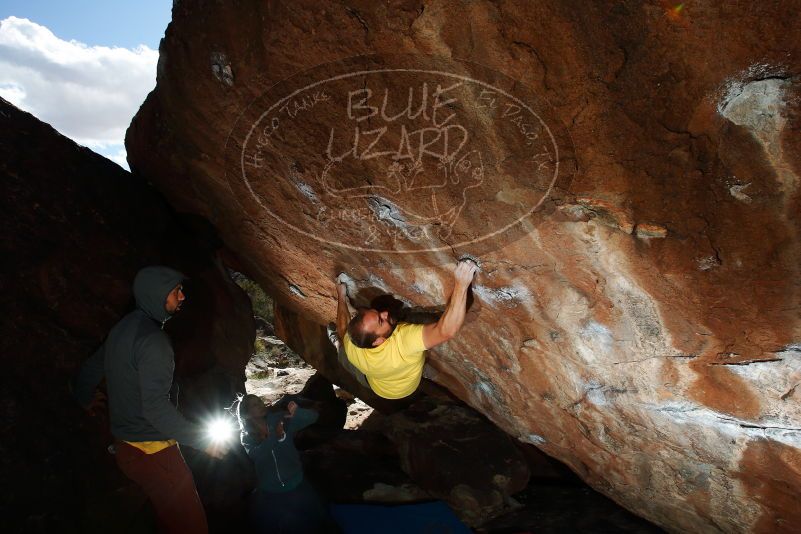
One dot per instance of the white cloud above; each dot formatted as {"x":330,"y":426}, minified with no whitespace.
{"x":88,"y":93}
{"x":115,"y":153}
{"x":12,"y":92}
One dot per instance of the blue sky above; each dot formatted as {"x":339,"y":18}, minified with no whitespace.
{"x":124,"y":23}
{"x":82,"y":66}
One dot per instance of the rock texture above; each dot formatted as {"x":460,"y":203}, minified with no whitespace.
{"x":640,"y":320}
{"x":459,"y":457}
{"x":74,"y":229}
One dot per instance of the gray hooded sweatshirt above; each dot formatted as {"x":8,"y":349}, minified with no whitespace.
{"x":138,"y":362}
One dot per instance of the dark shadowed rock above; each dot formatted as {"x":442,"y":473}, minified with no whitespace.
{"x":458,"y":456}
{"x":318,"y":394}
{"x":74,"y":230}
{"x":360,"y":466}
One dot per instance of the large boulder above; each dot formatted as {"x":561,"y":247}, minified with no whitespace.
{"x":626,"y":175}
{"x":74,"y":230}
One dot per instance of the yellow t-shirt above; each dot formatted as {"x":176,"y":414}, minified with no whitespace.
{"x":394,"y":368}
{"x":152,"y":447}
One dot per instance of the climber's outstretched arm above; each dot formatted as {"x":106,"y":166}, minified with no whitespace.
{"x":343,"y":313}
{"x":451,"y":321}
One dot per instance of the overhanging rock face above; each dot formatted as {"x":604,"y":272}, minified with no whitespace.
{"x":631,"y":191}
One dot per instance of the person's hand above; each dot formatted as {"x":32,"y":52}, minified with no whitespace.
{"x":341,"y":282}
{"x":291,"y":407}
{"x":217,"y":450}
{"x":279,"y":431}
{"x":464,"y":272}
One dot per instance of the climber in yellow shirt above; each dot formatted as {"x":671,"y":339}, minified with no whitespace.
{"x":391,"y":354}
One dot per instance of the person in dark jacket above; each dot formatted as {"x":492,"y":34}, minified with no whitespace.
{"x":283,"y":501}
{"x":137,"y":361}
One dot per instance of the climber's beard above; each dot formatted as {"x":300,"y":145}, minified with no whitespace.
{"x":392,"y":323}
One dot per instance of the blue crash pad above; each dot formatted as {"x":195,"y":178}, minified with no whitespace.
{"x":430,"y":518}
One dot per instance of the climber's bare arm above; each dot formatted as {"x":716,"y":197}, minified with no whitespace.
{"x":451,"y":321}
{"x":343,"y":312}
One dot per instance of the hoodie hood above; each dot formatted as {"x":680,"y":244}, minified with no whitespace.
{"x":151,"y":287}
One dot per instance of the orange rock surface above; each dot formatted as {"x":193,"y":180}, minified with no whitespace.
{"x":627,"y":175}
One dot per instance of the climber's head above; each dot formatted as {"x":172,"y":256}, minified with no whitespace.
{"x":370,"y":327}
{"x":248,"y":410}
{"x":248,"y":407}
{"x":252,"y":407}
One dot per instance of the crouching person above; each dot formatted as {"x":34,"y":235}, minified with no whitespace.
{"x":283,"y":501}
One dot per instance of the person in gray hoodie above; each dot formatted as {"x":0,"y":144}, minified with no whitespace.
{"x":137,"y":361}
